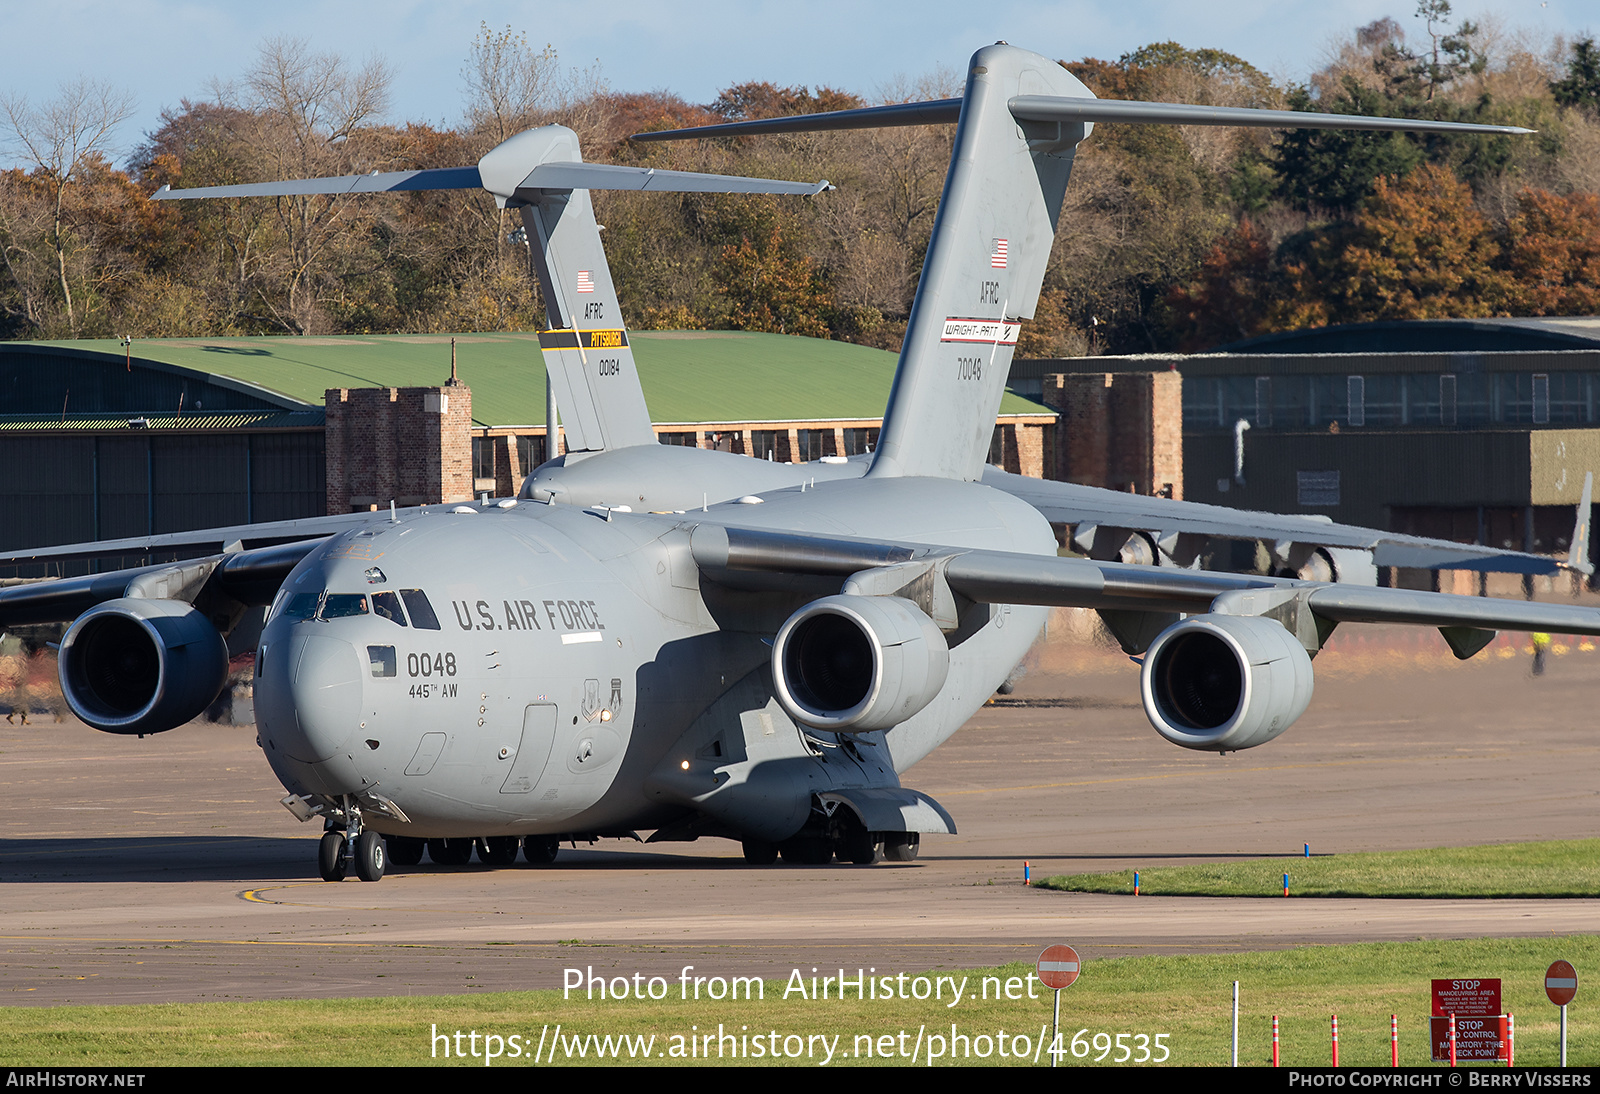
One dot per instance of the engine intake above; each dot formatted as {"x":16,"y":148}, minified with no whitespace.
{"x":141,"y":666}
{"x":858,"y":663}
{"x":1221,"y":682}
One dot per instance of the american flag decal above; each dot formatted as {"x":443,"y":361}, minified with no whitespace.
{"x":997,"y":258}
{"x":585,"y":281}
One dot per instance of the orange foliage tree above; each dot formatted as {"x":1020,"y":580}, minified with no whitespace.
{"x":1553,"y":253}
{"x":769,"y":287}
{"x":1419,"y":249}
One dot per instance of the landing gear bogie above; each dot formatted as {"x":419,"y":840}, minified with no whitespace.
{"x":540,"y":850}
{"x":900,"y":846}
{"x":406,"y":850}
{"x":451,"y":850}
{"x":498,"y":850}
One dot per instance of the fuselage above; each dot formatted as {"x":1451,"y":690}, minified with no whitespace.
{"x":546,"y":669}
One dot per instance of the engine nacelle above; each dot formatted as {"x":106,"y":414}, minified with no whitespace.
{"x":858,"y":663}
{"x":1222,"y":682}
{"x":141,"y":666}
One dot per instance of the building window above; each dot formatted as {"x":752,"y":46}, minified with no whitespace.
{"x":1264,"y":401}
{"x":482,"y":458}
{"x":857,"y":441}
{"x":530,"y":452}
{"x":1541,"y":398}
{"x":682,"y":440}
{"x":764,"y":444}
{"x":811,"y":444}
{"x":1356,"y":394}
{"x":1447,"y":399}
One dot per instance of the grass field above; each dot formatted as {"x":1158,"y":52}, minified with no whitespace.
{"x":1559,"y":868}
{"x":1185,"y":999}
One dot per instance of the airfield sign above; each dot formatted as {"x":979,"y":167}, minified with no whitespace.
{"x":1481,"y":1028}
{"x":1475,"y":997}
{"x":1561,"y":983}
{"x":1058,"y":967}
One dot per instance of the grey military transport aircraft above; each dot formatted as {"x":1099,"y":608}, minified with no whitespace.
{"x":761,"y":651}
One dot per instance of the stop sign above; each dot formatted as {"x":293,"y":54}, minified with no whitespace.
{"x":1561,"y":983}
{"x":1058,"y":967}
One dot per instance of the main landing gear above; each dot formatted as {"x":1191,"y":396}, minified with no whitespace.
{"x":370,"y":853}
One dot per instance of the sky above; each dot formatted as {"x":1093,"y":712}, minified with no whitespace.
{"x":163,"y":51}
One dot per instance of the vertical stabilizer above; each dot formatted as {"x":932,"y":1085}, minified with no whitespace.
{"x":985,"y":265}
{"x":586,"y":351}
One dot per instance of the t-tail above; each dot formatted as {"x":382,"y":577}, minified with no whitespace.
{"x":541,"y":174}
{"x":1018,"y":127}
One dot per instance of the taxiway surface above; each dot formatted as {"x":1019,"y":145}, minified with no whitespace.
{"x":163,"y":869}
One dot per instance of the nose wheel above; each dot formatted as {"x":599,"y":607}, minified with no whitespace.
{"x":331,"y":861}
{"x":351,"y":846}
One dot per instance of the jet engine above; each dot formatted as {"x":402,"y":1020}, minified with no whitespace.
{"x":858,"y":663}
{"x":1221,"y":682}
{"x":141,"y":666}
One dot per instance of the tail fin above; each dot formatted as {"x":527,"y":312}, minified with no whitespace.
{"x":1578,"y":553}
{"x":985,"y":266}
{"x":586,"y":352}
{"x":1019,"y":125}
{"x":542,"y":173}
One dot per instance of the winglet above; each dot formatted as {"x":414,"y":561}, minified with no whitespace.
{"x":1578,"y":554}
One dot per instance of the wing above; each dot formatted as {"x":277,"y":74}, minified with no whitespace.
{"x":742,"y":556}
{"x":237,"y":565}
{"x":1179,"y":530}
{"x":1226,"y":658}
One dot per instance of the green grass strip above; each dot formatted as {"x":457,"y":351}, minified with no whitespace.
{"x":1187,"y":1000}
{"x":1558,"y":868}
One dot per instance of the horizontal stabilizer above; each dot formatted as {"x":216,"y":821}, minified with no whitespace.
{"x":546,"y":176}
{"x":377,"y":182}
{"x":1062,"y":108}
{"x":1068,"y":108}
{"x":946,"y":111}
{"x":605,"y":176}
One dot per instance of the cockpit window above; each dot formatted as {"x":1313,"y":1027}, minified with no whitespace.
{"x":340,"y":605}
{"x":388,"y":606}
{"x":421,"y":611}
{"x":302,"y":605}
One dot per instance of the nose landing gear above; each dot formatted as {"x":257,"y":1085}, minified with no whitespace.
{"x":342,"y":847}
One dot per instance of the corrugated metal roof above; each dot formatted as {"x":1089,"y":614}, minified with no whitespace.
{"x":1432,"y":335}
{"x":155,"y":423}
{"x":688,"y":376}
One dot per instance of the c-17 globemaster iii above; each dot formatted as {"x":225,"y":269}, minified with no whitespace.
{"x":766,"y":655}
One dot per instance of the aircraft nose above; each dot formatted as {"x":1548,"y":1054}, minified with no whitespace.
{"x":314,"y":699}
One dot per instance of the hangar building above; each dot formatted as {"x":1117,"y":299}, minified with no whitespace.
{"x":101,"y":441}
{"x":1474,"y":430}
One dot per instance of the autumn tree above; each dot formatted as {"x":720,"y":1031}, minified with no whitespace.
{"x":768,"y":285}
{"x":62,"y":141}
{"x":1553,"y":254}
{"x":760,"y":99}
{"x":1233,"y":295}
